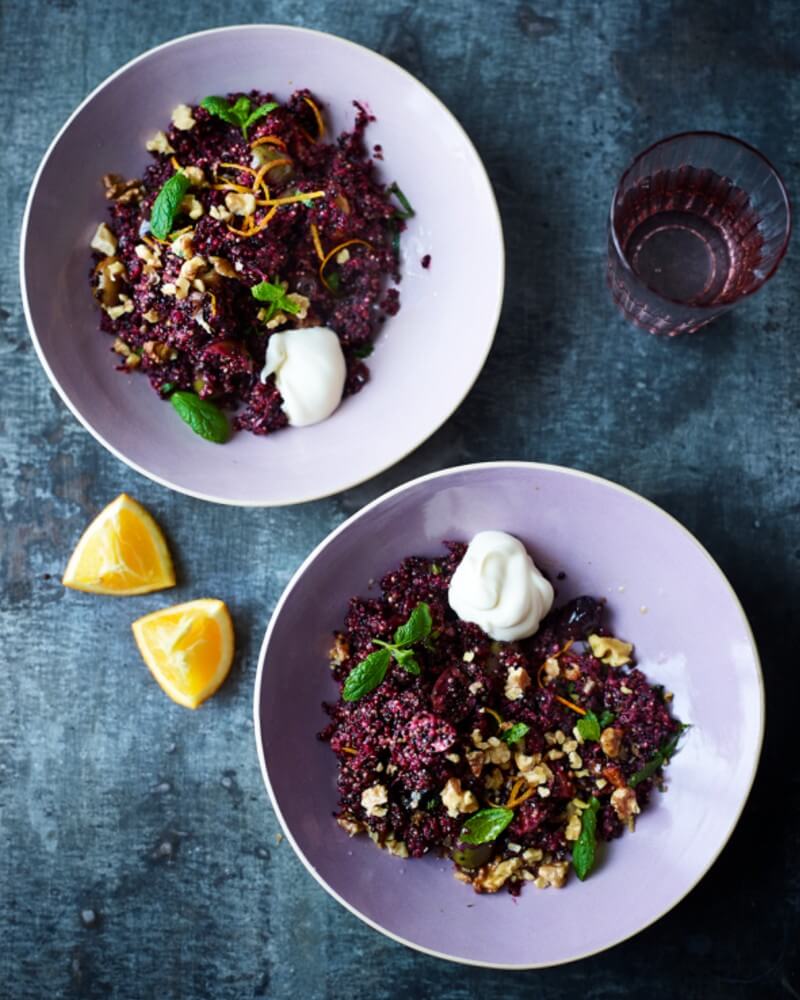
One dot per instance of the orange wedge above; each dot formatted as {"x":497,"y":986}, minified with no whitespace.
{"x":122,"y":552}
{"x":188,"y":648}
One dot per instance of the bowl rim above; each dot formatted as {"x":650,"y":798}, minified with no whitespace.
{"x":363,"y":512}
{"x":74,"y":407}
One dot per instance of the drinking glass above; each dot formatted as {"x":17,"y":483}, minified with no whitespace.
{"x":698,"y":222}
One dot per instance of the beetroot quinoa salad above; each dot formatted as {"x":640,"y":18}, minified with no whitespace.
{"x":514,"y":758}
{"x":247,"y":223}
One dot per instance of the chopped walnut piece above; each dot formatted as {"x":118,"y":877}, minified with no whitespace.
{"x":182,"y":117}
{"x":497,"y":752}
{"x":192,"y":206}
{"x":456,"y":800}
{"x":396,"y":847}
{"x":195,"y":176}
{"x":220,"y":213}
{"x":133,"y":361}
{"x":118,"y":189}
{"x":551,"y":669}
{"x":554,"y":874}
{"x":475,"y":761}
{"x":613,"y":774}
{"x":573,"y":830}
{"x":493,"y":876}
{"x":182,"y":246}
{"x":158,"y":351}
{"x":150,"y":257}
{"x":240,"y":203}
{"x":611,"y":741}
{"x":159,"y":144}
{"x":125,"y":306}
{"x":525,"y":762}
{"x":120,"y":347}
{"x":340,"y":650}
{"x":191,"y":268}
{"x":374,"y":800}
{"x":532,"y":854}
{"x":179,"y":288}
{"x":343,"y":256}
{"x":104,"y":241}
{"x":517,"y":682}
{"x":625,"y":805}
{"x":614,"y":652}
{"x":223,"y":267}
{"x":494,"y":779}
{"x":151,"y":316}
{"x":350,"y":825}
{"x":538,"y":775}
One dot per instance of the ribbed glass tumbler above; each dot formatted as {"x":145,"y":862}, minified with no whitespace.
{"x":698,"y":222}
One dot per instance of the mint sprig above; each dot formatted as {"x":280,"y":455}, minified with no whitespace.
{"x":275,"y":295}
{"x":167,"y":203}
{"x":203,"y":417}
{"x":370,"y":672}
{"x":241,"y":113}
{"x":660,"y":758}
{"x":486,"y":825}
{"x":585,"y":849}
{"x":515,"y":733}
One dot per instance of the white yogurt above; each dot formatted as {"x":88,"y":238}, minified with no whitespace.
{"x":498,"y":587}
{"x":310,"y":372}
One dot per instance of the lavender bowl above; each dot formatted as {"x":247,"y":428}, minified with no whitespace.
{"x":664,"y":592}
{"x":431,"y":352}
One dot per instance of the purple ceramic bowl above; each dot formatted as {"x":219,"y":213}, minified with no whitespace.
{"x":431,"y":352}
{"x":665,"y":594}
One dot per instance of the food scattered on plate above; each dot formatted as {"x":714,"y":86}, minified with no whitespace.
{"x":250,"y":269}
{"x":188,"y":648}
{"x":122,"y":552}
{"x":476,"y":720}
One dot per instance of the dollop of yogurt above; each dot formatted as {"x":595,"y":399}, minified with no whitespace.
{"x":498,"y":587}
{"x":310,"y":372}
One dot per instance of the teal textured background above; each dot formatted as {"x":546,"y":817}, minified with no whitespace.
{"x":138,"y":852}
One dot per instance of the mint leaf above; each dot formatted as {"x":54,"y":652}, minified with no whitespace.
{"x":589,"y":726}
{"x":658,"y":759}
{"x":167,"y":388}
{"x":202,"y":416}
{"x":367,"y":675}
{"x":265,"y":291}
{"x":585,"y":849}
{"x":516,"y":732}
{"x":417,"y":628}
{"x":166,"y":205}
{"x":606,"y":718}
{"x":259,"y":112}
{"x":406,"y":659}
{"x":486,"y":825}
{"x":241,"y":109}
{"x":222,"y":109}
{"x":364,"y":351}
{"x":408,"y":211}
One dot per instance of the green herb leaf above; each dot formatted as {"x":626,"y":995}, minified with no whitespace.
{"x":606,"y":718}
{"x":585,"y":849}
{"x":334,"y":280}
{"x":259,"y":112}
{"x":166,"y":205}
{"x":363,"y":351}
{"x":276,"y":295}
{"x":367,"y":675}
{"x":658,"y":760}
{"x":516,"y":732}
{"x":417,"y":627}
{"x":408,"y":211}
{"x":436,"y":569}
{"x":202,"y":416}
{"x":589,"y":726}
{"x":167,"y":388}
{"x":406,"y":659}
{"x":222,"y":109}
{"x":486,"y":825}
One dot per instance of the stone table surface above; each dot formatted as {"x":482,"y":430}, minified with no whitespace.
{"x":138,"y":851}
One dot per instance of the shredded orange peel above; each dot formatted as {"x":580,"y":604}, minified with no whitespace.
{"x":514,"y":798}
{"x":332,"y":253}
{"x":317,"y":116}
{"x":317,"y":242}
{"x":273,"y":140}
{"x":541,"y":683}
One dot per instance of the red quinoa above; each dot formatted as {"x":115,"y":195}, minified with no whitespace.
{"x":211,"y":341}
{"x":411,"y":736}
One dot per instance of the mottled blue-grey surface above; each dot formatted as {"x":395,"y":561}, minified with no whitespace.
{"x":138,"y":853}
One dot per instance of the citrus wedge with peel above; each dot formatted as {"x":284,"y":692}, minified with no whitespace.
{"x":188,"y":648}
{"x":122,"y":552}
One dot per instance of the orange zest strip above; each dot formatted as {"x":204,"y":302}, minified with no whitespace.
{"x":230,"y":186}
{"x":238,"y":166}
{"x":494,"y":714}
{"x":515,"y":798}
{"x":292,"y":198}
{"x":332,"y":253}
{"x":174,"y":163}
{"x":569,"y":704}
{"x":348,"y":750}
{"x":213,"y":299}
{"x":317,"y":116}
{"x":273,"y":140}
{"x":317,"y":242}
{"x":554,"y":656}
{"x":255,"y":229}
{"x":259,"y":178}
